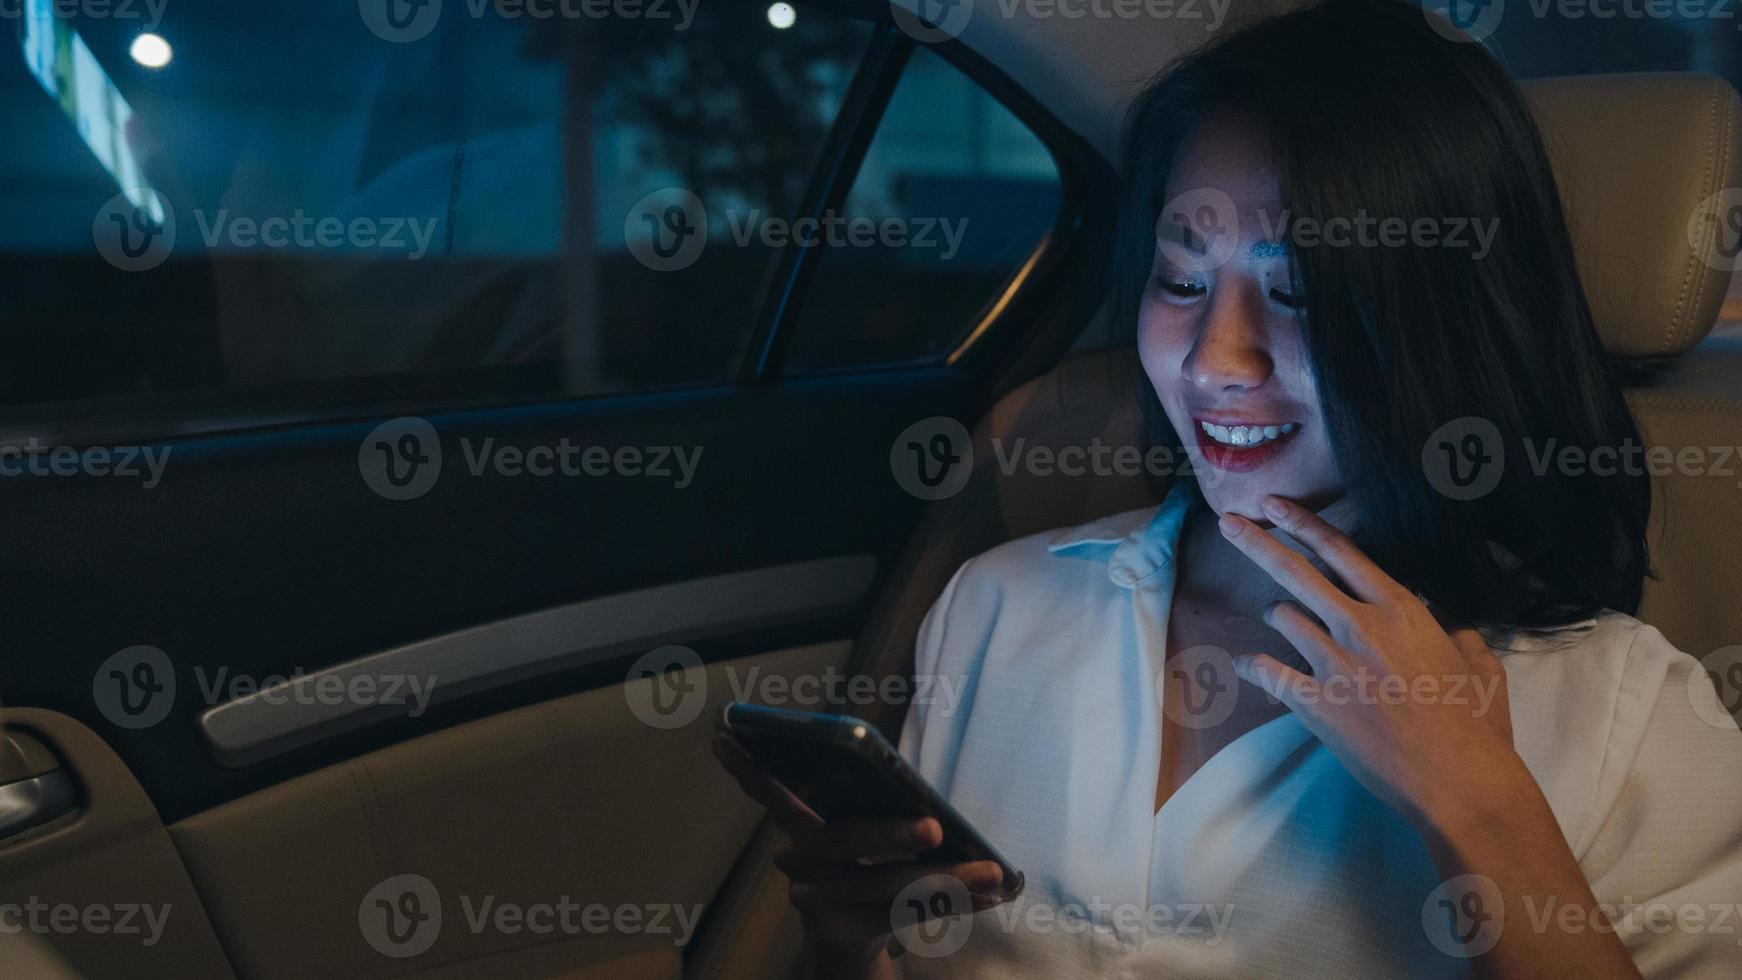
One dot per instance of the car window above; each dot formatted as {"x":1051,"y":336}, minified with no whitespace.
{"x":955,"y":193}
{"x":285,"y":196}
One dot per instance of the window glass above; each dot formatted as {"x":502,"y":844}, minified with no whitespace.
{"x":286,"y":193}
{"x":954,"y":195}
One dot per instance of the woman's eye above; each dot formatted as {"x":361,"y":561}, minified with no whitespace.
{"x":1178,"y":288}
{"x":1288,"y":299}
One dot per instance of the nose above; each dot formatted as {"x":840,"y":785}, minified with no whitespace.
{"x":1231,"y":351}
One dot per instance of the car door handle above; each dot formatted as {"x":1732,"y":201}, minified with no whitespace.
{"x":34,"y":801}
{"x":36,"y":788}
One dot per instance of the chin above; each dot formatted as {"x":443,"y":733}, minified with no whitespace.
{"x":1244,"y":501}
{"x":1228,"y":493}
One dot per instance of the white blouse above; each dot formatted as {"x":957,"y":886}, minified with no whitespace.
{"x":1271,"y":860}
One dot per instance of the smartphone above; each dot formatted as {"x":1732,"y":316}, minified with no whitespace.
{"x":841,"y":766}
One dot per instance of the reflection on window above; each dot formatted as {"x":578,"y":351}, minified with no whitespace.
{"x":346,"y":208}
{"x":954,"y":195}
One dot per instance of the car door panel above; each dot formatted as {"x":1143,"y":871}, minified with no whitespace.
{"x":576,"y":799}
{"x":217,"y":567}
{"x":103,"y":885}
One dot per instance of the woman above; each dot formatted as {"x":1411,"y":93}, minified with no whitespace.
{"x":1406,"y":725}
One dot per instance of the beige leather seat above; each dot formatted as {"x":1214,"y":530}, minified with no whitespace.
{"x":1635,"y":156}
{"x":25,"y":954}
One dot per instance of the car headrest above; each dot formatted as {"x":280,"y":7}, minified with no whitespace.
{"x":1639,"y":158}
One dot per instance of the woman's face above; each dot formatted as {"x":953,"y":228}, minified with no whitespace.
{"x":1218,"y":331}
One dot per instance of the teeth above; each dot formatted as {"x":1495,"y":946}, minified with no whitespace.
{"x":1247,"y":435}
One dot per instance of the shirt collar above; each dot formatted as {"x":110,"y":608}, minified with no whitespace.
{"x":1140,"y":547}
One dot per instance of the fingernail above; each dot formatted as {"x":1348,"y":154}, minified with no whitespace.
{"x":1274,"y":509}
{"x":1230,"y":526}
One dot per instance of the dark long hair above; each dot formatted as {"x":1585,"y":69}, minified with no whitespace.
{"x":1370,"y":110}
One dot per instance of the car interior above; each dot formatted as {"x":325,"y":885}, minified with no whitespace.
{"x":147,"y":769}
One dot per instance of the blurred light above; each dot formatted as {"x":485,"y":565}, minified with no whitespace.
{"x":151,"y":51}
{"x":781,"y":16}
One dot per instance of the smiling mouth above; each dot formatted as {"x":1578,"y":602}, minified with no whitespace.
{"x":1241,"y":447}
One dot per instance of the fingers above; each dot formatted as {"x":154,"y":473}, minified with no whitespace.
{"x":1279,"y":680}
{"x":846,"y":874}
{"x":881,"y":885}
{"x":1289,"y":568}
{"x":787,"y":810}
{"x":1306,"y":635}
{"x":853,"y":841}
{"x":1363,"y":577}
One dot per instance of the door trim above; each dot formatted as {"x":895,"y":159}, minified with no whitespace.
{"x":314,"y":707}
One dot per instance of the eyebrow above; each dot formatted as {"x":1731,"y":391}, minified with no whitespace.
{"x":1183,"y":236}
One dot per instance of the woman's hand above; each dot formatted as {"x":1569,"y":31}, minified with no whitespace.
{"x":846,"y":874}
{"x":1414,"y":708}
